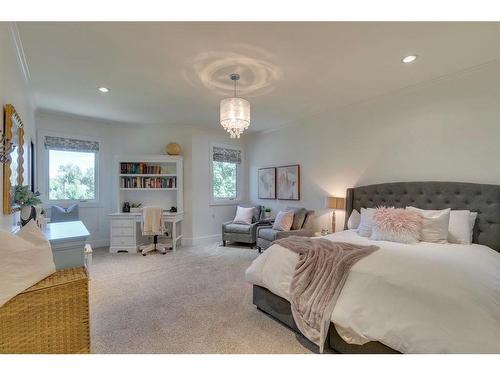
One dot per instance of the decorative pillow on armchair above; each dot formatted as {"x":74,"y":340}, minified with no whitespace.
{"x":396,"y":224}
{"x":283,"y":221}
{"x":244,"y":215}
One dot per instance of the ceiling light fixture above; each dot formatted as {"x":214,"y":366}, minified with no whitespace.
{"x":234,"y":112}
{"x":103,"y":89}
{"x":409,"y":59}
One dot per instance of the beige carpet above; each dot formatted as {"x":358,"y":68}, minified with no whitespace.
{"x":193,"y":301}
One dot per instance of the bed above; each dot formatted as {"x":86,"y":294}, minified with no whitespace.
{"x":479,"y":264}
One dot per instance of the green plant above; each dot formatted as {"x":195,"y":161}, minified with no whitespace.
{"x":135,"y":205}
{"x":23,"y":196}
{"x":267,"y":209}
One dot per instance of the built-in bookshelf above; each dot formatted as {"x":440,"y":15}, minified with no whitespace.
{"x":149,"y":182}
{"x":142,"y":179}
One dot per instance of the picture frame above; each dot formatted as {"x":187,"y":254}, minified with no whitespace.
{"x":266,"y":181}
{"x":288,"y":182}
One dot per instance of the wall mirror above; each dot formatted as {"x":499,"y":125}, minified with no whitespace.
{"x":13,"y":168}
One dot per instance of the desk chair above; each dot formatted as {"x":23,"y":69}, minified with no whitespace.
{"x":153,"y":225}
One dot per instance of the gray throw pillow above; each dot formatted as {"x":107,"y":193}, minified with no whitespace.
{"x":299,"y":215}
{"x":61,"y":214}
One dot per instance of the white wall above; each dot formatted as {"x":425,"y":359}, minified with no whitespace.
{"x":202,"y":222}
{"x":13,"y":90}
{"x":446,"y":130}
{"x":208,"y":219}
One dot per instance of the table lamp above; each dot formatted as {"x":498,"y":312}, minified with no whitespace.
{"x":335,"y":203}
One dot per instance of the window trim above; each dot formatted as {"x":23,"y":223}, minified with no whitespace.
{"x":43,"y":178}
{"x":239,"y":177}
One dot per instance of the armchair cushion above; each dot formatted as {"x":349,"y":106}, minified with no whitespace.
{"x":299,"y":215}
{"x":268,"y":233}
{"x":300,"y":233}
{"x":238,"y":228}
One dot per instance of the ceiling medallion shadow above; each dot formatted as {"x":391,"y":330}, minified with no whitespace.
{"x":212,"y":68}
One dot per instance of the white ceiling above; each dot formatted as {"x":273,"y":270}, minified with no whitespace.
{"x":176,"y":73}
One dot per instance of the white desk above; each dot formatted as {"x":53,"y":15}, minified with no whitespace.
{"x":124,"y":230}
{"x":67,"y":240}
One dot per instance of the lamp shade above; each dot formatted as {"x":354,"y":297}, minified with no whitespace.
{"x":336,"y":203}
{"x":235,"y":115}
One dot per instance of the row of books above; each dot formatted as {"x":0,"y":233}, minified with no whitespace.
{"x":140,"y":168}
{"x":149,"y":182}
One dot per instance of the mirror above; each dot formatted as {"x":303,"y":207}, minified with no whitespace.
{"x":12,"y":169}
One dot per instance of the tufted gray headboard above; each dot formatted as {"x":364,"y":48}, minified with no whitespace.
{"x":434,"y":195}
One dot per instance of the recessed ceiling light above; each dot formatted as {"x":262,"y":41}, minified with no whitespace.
{"x":409,"y":59}
{"x":103,"y":89}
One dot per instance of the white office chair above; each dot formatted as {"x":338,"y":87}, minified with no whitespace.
{"x":160,"y":231}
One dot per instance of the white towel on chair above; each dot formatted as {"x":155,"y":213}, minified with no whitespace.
{"x":152,"y":221}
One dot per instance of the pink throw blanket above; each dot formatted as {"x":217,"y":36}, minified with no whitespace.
{"x":319,"y":276}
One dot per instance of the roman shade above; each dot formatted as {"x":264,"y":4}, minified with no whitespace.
{"x":70,"y":144}
{"x":226,"y":155}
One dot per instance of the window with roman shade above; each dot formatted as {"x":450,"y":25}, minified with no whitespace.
{"x":225,"y":176}
{"x":72,"y":168}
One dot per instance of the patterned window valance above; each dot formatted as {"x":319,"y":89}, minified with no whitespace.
{"x":227,"y":155}
{"x":70,"y":144}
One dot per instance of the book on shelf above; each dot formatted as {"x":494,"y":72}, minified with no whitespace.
{"x":141,"y":168}
{"x":148,"y":182}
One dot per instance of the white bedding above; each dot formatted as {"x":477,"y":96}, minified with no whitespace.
{"x":415,"y":298}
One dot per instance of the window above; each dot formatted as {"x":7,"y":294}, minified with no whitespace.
{"x":71,"y":169}
{"x":226,"y":175}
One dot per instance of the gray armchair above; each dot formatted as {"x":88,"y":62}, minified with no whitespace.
{"x":242,"y":232}
{"x":303,"y":225}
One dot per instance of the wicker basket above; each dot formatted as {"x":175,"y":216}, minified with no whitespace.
{"x":52,"y":316}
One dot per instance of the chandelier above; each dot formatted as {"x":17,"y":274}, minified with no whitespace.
{"x":234,"y":113}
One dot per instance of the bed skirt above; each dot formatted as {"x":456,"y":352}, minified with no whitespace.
{"x":279,"y":308}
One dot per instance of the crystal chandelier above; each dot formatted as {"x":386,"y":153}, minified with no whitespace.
{"x":234,"y":113}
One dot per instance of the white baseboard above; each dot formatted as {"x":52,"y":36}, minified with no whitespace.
{"x":202,"y":240}
{"x":102,"y":242}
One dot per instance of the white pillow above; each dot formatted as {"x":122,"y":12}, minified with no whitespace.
{"x":31,"y":233}
{"x":354,"y":219}
{"x":23,"y":262}
{"x":461,"y":226}
{"x":244,"y":215}
{"x":472,"y":217}
{"x":435,"y":224}
{"x":366,"y":221}
{"x":283,"y":221}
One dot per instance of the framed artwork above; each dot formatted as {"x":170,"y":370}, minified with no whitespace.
{"x":288,"y":182}
{"x":267,"y":183}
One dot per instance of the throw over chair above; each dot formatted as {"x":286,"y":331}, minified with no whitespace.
{"x":242,"y":232}
{"x":303,"y":225}
{"x":152,"y":225}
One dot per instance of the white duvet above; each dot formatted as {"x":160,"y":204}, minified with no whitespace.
{"x":415,"y":298}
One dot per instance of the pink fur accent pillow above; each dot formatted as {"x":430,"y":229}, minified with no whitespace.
{"x":396,"y":225}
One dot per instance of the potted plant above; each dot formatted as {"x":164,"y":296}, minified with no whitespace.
{"x":135,"y":207}
{"x":27,"y":200}
{"x":267,"y":213}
